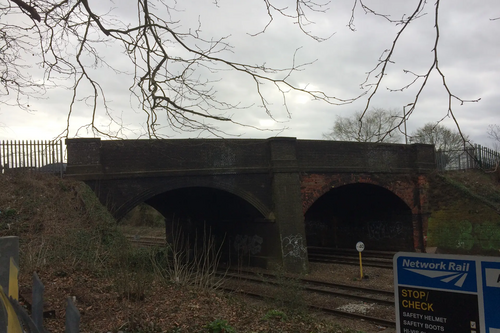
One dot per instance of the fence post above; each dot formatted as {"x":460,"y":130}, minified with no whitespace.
{"x":72,"y":317}
{"x":6,"y":154}
{"x":480,"y":156}
{"x":61,"y":158}
{"x":37,"y":303}
{"x":9,"y":265}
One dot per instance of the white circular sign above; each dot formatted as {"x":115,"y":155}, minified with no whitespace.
{"x":360,"y":246}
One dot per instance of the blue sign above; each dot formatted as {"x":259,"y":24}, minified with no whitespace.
{"x":447,"y":293}
{"x":490,"y":272}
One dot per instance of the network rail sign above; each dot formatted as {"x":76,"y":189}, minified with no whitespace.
{"x":446,"y":293}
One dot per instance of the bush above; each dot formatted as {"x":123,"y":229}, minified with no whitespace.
{"x":220,"y":326}
{"x":289,"y":293}
{"x":275,"y":314}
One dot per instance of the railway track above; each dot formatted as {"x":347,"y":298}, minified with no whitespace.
{"x":383,"y":297}
{"x":380,"y":259}
{"x":372,"y":305}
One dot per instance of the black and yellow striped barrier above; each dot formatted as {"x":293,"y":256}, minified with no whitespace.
{"x":9,"y":284}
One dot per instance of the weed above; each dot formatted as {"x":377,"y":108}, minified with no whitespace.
{"x":132,"y":273}
{"x":7,"y":217}
{"x":289,"y":293}
{"x":9,"y":212}
{"x":139,"y":325}
{"x":63,"y":186}
{"x":220,"y":326}
{"x":190,"y":264}
{"x":34,"y":256}
{"x":275,"y":314}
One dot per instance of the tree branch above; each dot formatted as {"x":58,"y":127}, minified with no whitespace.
{"x":30,"y":9}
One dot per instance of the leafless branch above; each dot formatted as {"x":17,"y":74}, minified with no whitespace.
{"x":28,"y":8}
{"x":380,"y":70}
{"x":174,"y":70}
{"x":298,"y":14}
{"x":166,"y":61}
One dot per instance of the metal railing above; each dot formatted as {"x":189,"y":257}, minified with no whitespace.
{"x":476,"y":157}
{"x":32,"y":155}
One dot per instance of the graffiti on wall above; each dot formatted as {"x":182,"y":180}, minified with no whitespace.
{"x":317,"y":225}
{"x":379,"y":230}
{"x":293,"y":246}
{"x":248,"y":244}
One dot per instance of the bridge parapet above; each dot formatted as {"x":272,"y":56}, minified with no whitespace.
{"x":104,"y":159}
{"x":84,"y":155}
{"x":160,"y":157}
{"x":337,"y":156}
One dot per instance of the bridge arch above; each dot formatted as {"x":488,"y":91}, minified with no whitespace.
{"x":240,"y":223}
{"x":355,"y":212}
{"x":205,"y":204}
{"x":148,"y":193}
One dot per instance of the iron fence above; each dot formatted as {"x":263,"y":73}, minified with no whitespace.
{"x":474,"y":157}
{"x":32,"y":155}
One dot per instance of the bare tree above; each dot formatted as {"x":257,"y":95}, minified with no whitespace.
{"x":376,"y":76}
{"x":494,"y":134}
{"x":449,"y":144}
{"x":377,"y":126}
{"x":172,"y":68}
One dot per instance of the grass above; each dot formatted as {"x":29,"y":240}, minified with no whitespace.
{"x":477,"y":184}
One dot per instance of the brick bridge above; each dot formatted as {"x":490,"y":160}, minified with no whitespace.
{"x":269,"y":197}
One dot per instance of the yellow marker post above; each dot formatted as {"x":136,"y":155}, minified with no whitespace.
{"x":360,"y":247}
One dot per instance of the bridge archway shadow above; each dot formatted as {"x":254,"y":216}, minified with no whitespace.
{"x":204,"y":204}
{"x":360,"y":212}
{"x":238,"y":227}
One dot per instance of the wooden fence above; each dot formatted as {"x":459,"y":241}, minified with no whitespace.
{"x":32,"y":155}
{"x":476,"y":157}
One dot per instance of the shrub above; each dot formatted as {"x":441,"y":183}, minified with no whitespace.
{"x":275,"y":314}
{"x":220,"y":326}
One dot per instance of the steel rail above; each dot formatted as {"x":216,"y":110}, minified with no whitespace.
{"x":329,"y":292}
{"x":380,"y":321}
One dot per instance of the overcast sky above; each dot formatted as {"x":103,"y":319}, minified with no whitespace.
{"x":469,"y":56}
